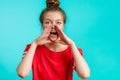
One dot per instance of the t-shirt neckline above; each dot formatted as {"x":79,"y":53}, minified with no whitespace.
{"x":56,"y":51}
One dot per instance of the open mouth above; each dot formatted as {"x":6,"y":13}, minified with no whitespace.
{"x":55,"y":33}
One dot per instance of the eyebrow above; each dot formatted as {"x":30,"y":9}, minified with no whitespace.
{"x":55,"y":20}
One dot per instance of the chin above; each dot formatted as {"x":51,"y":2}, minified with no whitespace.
{"x":53,"y":39}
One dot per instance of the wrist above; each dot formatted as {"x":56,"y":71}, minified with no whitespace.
{"x":34,"y":43}
{"x":71,"y":43}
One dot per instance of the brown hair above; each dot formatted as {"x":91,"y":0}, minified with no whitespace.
{"x":52,"y":5}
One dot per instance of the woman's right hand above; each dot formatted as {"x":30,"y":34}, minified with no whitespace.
{"x":43,"y":38}
{"x":25,"y":65}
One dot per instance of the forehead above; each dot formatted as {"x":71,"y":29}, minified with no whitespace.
{"x":53,"y":15}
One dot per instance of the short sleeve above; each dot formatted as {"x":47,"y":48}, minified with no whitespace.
{"x":81,"y":52}
{"x":26,"y":49}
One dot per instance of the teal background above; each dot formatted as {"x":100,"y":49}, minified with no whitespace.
{"x":94,"y":25}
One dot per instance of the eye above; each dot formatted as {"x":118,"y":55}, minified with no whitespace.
{"x":47,"y":22}
{"x":59,"y":22}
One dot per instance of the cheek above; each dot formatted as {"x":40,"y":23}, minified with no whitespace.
{"x":44,"y":26}
{"x":62,"y":26}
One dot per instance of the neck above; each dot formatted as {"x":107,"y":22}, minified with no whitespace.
{"x":52,"y":45}
{"x":56,"y":46}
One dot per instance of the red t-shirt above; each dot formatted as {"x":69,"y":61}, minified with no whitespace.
{"x":50,"y":65}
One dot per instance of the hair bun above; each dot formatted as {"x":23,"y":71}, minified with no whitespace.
{"x":52,"y":3}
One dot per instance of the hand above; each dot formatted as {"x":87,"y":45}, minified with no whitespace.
{"x":63,"y":37}
{"x":43,"y":39}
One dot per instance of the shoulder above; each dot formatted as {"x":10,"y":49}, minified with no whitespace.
{"x":28,"y":47}
{"x":79,"y":49}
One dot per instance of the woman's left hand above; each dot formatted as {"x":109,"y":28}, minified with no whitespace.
{"x":63,"y":38}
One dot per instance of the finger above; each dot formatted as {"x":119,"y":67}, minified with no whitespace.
{"x":48,"y":41}
{"x":60,"y":32}
{"x":64,"y":38}
{"x":47,"y":30}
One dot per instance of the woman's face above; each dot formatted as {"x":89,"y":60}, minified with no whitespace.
{"x":53,"y":18}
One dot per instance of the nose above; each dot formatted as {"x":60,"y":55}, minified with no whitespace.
{"x":53,"y":26}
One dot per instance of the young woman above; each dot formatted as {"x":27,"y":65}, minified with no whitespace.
{"x":53,"y":55}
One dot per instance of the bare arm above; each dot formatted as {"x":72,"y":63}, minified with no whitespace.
{"x":24,"y":67}
{"x":82,"y":68}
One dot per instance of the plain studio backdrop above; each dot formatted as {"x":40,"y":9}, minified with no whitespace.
{"x":94,"y":25}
